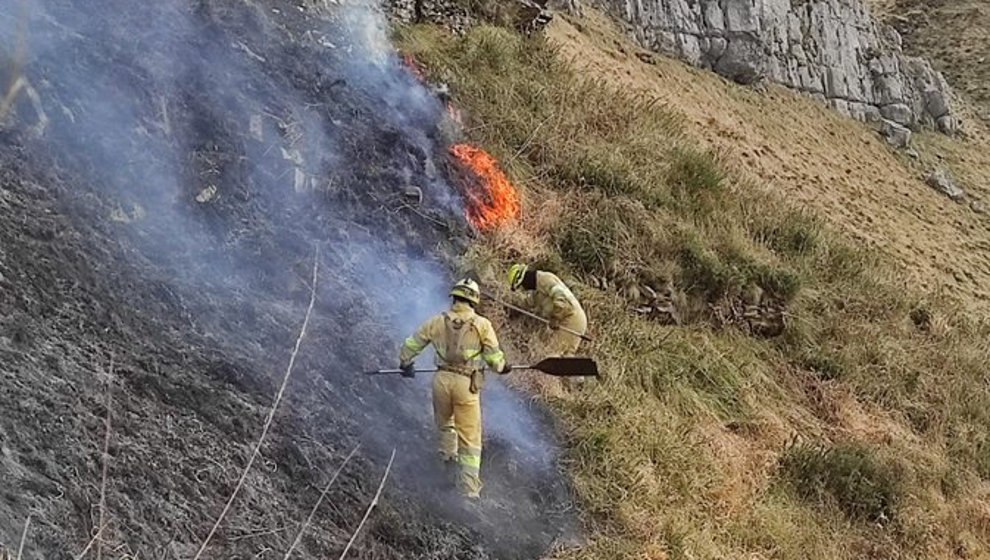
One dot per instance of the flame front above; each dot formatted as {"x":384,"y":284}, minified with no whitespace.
{"x":491,"y":200}
{"x":455,"y":114}
{"x":414,"y":68}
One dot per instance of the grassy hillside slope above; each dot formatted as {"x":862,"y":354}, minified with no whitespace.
{"x":861,"y":430}
{"x":816,"y":158}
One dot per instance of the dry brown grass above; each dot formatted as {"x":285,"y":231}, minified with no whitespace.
{"x":680,"y":450}
{"x":793,"y":147}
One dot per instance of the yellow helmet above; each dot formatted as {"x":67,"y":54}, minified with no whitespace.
{"x":516,"y":274}
{"x":467,"y":289}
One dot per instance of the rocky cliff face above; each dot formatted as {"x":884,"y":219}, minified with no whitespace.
{"x":830,"y":49}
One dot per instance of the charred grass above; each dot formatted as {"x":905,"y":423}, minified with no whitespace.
{"x":686,"y":447}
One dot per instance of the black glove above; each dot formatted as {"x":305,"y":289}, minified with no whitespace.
{"x":505,"y":369}
{"x":408,"y":370}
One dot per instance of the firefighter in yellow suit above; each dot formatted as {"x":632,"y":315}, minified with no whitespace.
{"x":551,"y":299}
{"x":464,"y":342}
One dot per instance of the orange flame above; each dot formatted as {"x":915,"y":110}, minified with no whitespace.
{"x":414,"y":68}
{"x":491,"y":200}
{"x":455,"y":114}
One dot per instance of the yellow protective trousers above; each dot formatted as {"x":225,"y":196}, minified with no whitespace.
{"x":457,"y":412}
{"x":563,"y":343}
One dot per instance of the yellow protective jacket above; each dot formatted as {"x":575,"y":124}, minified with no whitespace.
{"x":477,"y":341}
{"x":554,"y":300}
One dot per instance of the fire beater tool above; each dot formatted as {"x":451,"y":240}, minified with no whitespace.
{"x":558,"y":367}
{"x":534,"y":316}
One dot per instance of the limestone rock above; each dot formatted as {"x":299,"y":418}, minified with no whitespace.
{"x":899,"y":113}
{"x":942,"y":182}
{"x":532,"y":16}
{"x":936,"y":103}
{"x":446,"y":12}
{"x":742,"y":61}
{"x":571,"y":7}
{"x":897,"y":135}
{"x":829,"y":49}
{"x":947,"y":125}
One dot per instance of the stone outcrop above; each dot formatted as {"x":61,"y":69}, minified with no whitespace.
{"x":897,"y":135}
{"x":830,"y":49}
{"x":445,"y":12}
{"x":526,"y":15}
{"x":940,"y":180}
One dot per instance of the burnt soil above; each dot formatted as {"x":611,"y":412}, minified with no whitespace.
{"x":106,"y":254}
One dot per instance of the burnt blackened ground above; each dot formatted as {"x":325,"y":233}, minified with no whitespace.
{"x":167,"y":218}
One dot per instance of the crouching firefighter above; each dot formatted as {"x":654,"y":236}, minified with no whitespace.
{"x":551,"y":299}
{"x":464,"y":342}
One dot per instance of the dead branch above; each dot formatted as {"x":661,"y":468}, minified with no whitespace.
{"x":90,"y":544}
{"x":319,"y":501}
{"x":106,"y":461}
{"x":20,"y":548}
{"x":257,"y":534}
{"x":371,"y":506}
{"x":271,"y":413}
{"x":8,"y":100}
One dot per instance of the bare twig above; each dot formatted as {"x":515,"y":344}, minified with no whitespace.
{"x":659,"y":345}
{"x":323,"y":495}
{"x":526,"y":144}
{"x":257,"y":534}
{"x":371,"y":506}
{"x":24,"y":534}
{"x":8,"y":100}
{"x":106,"y":462}
{"x":90,"y":544}
{"x":271,"y":413}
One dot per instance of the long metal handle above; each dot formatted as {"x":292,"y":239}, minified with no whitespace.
{"x":397,"y":371}
{"x":534,"y":316}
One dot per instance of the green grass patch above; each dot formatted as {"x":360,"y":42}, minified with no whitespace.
{"x":726,"y":272}
{"x":589,"y":247}
{"x":849,"y":476}
{"x":791,"y":234}
{"x":695,"y":179}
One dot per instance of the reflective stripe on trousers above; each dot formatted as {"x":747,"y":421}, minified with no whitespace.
{"x":457,"y":412}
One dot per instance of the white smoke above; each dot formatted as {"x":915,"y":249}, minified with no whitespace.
{"x":209,"y":144}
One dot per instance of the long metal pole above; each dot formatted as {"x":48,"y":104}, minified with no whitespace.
{"x":395,"y":371}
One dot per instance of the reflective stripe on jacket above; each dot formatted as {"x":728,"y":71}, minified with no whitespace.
{"x":479,"y":344}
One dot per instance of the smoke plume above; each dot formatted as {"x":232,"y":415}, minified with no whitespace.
{"x":222,"y":144}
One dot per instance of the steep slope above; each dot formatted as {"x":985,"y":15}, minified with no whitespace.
{"x":808,"y":381}
{"x":813,"y":158}
{"x":811,"y":386}
{"x":169,"y":173}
